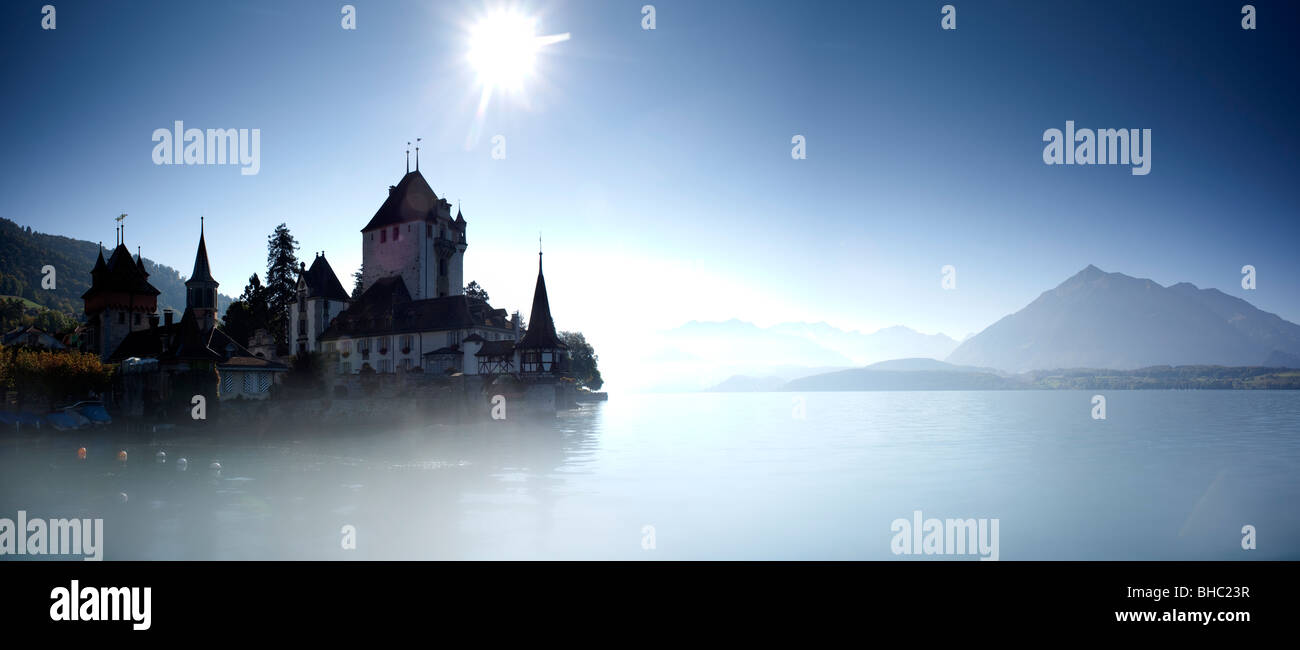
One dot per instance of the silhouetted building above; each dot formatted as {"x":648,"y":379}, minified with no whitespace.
{"x":119,"y":300}
{"x":164,"y":364}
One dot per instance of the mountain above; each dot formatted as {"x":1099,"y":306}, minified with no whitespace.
{"x":1110,"y":320}
{"x":889,"y":343}
{"x":744,"y":384}
{"x":23,"y":252}
{"x":905,"y":374}
{"x":736,"y":355}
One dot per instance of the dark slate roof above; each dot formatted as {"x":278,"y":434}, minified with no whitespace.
{"x":139,"y":263}
{"x":386,"y":308}
{"x":496,"y":349}
{"x":541,"y":329}
{"x":119,"y":274}
{"x":202,"y":271}
{"x":410,"y":200}
{"x":322,"y":282}
{"x":185,"y":341}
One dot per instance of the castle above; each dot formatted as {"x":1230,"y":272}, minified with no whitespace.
{"x":412,"y":313}
{"x":169,"y":360}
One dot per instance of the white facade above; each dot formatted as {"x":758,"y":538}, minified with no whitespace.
{"x":308,"y":318}
{"x":405,"y":352}
{"x":429,"y":257}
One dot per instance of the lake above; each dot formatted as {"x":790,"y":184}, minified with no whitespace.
{"x":1167,"y":475}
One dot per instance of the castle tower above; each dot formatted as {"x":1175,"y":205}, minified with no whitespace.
{"x":319,"y":299}
{"x":413,"y":236}
{"x":201,"y":288}
{"x":541,"y":353}
{"x":119,"y":300}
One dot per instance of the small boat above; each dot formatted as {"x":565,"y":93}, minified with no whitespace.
{"x":93,"y":411}
{"x":67,"y":420}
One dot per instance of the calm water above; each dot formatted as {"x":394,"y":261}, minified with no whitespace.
{"x":1169,"y":475}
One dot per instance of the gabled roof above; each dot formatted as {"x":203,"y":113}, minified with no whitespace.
{"x":496,"y":349}
{"x":387,"y":308}
{"x":322,"y":282}
{"x":541,"y":329}
{"x":410,"y":200}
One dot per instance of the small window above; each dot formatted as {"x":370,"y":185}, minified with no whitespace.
{"x":428,"y":230}
{"x":396,"y":233}
{"x":383,"y":236}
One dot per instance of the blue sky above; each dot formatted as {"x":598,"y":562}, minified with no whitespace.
{"x":657,"y":163}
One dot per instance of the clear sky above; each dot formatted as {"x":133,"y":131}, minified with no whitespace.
{"x":657,"y":163}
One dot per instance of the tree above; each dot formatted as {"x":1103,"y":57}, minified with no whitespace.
{"x":248,"y":314}
{"x":582,"y":365}
{"x":474,"y":291}
{"x":356,"y":281}
{"x":281,"y":280}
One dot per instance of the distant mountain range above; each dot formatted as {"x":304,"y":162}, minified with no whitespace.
{"x":1096,"y":330}
{"x":1110,"y":320}
{"x":701,"y":355}
{"x":23,"y":252}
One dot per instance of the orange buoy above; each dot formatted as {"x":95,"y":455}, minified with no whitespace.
{"x":121,"y":456}
{"x":81,"y":454}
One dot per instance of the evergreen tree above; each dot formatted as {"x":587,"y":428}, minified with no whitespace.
{"x":281,"y":280}
{"x":474,"y":291}
{"x":356,"y":281}
{"x":248,"y":314}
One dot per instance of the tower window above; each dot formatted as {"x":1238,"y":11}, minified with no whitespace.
{"x":396,"y":233}
{"x":383,"y":236}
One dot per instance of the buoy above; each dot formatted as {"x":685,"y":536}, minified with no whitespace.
{"x":182,"y":464}
{"x":160,"y":457}
{"x":81,"y":453}
{"x":122,"y":496}
{"x":121,"y":456}
{"x":215,"y":467}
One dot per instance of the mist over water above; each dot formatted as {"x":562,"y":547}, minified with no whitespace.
{"x":1168,"y":475}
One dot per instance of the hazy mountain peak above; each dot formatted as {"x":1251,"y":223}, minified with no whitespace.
{"x":1111,"y":320}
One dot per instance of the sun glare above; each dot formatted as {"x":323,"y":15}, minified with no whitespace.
{"x":503,"y":49}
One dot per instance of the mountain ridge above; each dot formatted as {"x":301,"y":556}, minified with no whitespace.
{"x":1099,"y":319}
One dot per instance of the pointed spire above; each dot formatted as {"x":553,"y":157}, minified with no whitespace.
{"x":100,"y":265}
{"x":417,"y":154}
{"x":202,"y":272}
{"x":541,"y":328}
{"x":408,"y":157}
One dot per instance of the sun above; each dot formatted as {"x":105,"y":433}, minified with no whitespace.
{"x":503,"y":49}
